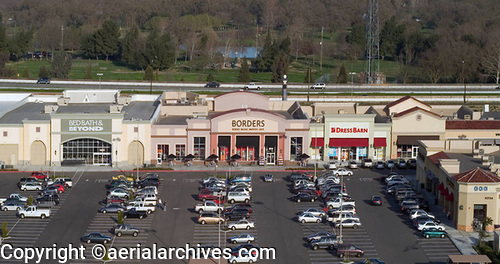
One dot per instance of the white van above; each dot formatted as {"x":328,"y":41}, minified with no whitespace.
{"x":238,"y":197}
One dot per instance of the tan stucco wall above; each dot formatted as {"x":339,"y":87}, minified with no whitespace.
{"x":230,"y":101}
{"x":30,"y":135}
{"x":468,"y":197}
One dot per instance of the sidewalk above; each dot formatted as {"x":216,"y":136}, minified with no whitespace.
{"x":462,"y":240}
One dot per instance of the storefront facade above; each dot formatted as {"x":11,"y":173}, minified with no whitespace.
{"x":350,"y":137}
{"x":238,"y":123}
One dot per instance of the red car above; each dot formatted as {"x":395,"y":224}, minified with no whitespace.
{"x":60,"y":187}
{"x":204,"y":195}
{"x":39,"y":175}
{"x":116,"y":200}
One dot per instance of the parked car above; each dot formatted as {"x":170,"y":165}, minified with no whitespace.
{"x":53,"y":198}
{"x":353,"y":164}
{"x":390,"y":164}
{"x":119,"y":193}
{"x":367,"y":163}
{"x":133,"y":213}
{"x":242,"y":224}
{"x":419,"y":212}
{"x":147,"y":182}
{"x":318,"y":235}
{"x":376,"y":200}
{"x":430,"y":224}
{"x":411,"y":163}
{"x":318,"y":86}
{"x":125,"y":229}
{"x":309,"y":218}
{"x":241,"y":178}
{"x":39,"y":175}
{"x":237,"y":214}
{"x":304,"y":197}
{"x":354,"y":223}
{"x":315,"y":211}
{"x":65,"y":181}
{"x":349,"y":250}
{"x":379,"y":165}
{"x":96,"y":238}
{"x":433,"y":232}
{"x":242,"y":238}
{"x":342,"y":172}
{"x":325,"y":242}
{"x":348,"y":208}
{"x":268,"y":177}
{"x":129,"y":179}
{"x":29,"y":180}
{"x":210,"y":218}
{"x":422,"y":219}
{"x":239,"y":205}
{"x":212,"y":85}
{"x":43,"y":81}
{"x":239,"y":197}
{"x":397,"y":181}
{"x":13,"y":205}
{"x":31,"y":186}
{"x":401,"y":164}
{"x":117,"y":184}
{"x":112,"y":208}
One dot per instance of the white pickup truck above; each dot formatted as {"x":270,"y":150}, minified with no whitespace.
{"x":142,"y":207}
{"x":145,"y":200}
{"x":33,"y":211}
{"x":208,"y":206}
{"x":336,"y":217}
{"x":253,"y":86}
{"x":335,"y":203}
{"x":14,"y":196}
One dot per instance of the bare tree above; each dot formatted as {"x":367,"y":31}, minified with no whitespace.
{"x":491,"y":59}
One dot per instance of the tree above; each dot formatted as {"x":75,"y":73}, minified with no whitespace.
{"x":491,"y":59}
{"x":391,"y":38}
{"x":43,"y":72}
{"x":342,"y":76}
{"x":265,"y":58}
{"x":107,"y":39}
{"x":25,"y":73}
{"x":159,"y":50}
{"x":280,"y":60}
{"x":148,"y":73}
{"x":30,"y":200}
{"x":210,"y":78}
{"x":244,"y":75}
{"x":4,"y":229}
{"x":88,"y":46}
{"x":61,"y":65}
{"x":119,"y":218}
{"x":132,"y":48}
{"x":88,"y":71}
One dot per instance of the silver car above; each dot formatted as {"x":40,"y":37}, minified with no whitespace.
{"x":125,"y":229}
{"x":242,"y":238}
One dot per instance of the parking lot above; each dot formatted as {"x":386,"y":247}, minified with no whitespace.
{"x":386,"y":233}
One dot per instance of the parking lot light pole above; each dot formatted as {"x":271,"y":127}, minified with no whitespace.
{"x":352,"y":83}
{"x":99,"y":74}
{"x":341,"y":199}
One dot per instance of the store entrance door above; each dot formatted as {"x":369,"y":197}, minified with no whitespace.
{"x":270,"y":156}
{"x":414,"y":152}
{"x":344,"y":155}
{"x":102,"y":159}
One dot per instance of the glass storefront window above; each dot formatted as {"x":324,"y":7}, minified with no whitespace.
{"x":180,"y":151}
{"x":162,"y":152}
{"x":295,"y":147}
{"x":407,"y":151}
{"x":199,"y":148}
{"x":84,"y":149}
{"x":246,"y":153}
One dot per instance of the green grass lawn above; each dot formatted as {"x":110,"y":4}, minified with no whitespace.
{"x":117,"y":71}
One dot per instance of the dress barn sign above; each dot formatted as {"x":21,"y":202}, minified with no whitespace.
{"x":85,"y":125}
{"x":349,"y":130}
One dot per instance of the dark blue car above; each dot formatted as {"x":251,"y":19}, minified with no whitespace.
{"x":96,"y":238}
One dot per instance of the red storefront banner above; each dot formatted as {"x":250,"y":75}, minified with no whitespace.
{"x":317,"y":142}
{"x":379,"y":142}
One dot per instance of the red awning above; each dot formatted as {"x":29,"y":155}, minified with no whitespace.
{"x":317,"y":142}
{"x":348,"y":142}
{"x":450,"y":197}
{"x":379,"y":142}
{"x":440,"y":187}
{"x":445,"y":192}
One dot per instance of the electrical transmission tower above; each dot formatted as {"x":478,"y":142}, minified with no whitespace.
{"x":372,"y":63}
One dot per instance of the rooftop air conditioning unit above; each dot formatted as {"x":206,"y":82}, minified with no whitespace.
{"x":467,"y":117}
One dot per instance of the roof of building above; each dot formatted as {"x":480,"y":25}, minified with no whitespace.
{"x":173,"y":120}
{"x":463,"y":111}
{"x":402,"y":99}
{"x":411,"y":110}
{"x":476,"y":175}
{"x":378,"y":117}
{"x":467,"y":161}
{"x":494,"y":115}
{"x":140,"y":110}
{"x":83,"y":109}
{"x":436,"y":157}
{"x":31,"y":111}
{"x":472,"y":124}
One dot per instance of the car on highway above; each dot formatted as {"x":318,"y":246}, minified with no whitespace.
{"x":309,"y":218}
{"x":351,"y":223}
{"x":433,"y":232}
{"x":429,"y":224}
{"x":324,"y":242}
{"x":253,"y":86}
{"x":133,"y":213}
{"x":315,"y":211}
{"x":318,"y":86}
{"x":119,"y":192}
{"x":318,"y":235}
{"x":112,"y":208}
{"x":212,"y":85}
{"x":43,"y":80}
{"x":242,"y":238}
{"x":376,"y":200}
{"x":210,"y":218}
{"x":125,"y":229}
{"x":349,"y":250}
{"x":304,"y":197}
{"x":242,"y":224}
{"x":96,"y":238}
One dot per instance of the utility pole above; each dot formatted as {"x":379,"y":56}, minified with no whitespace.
{"x":321,"y":52}
{"x":62,"y":38}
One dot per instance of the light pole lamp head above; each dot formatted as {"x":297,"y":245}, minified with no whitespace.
{"x":285,"y":80}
